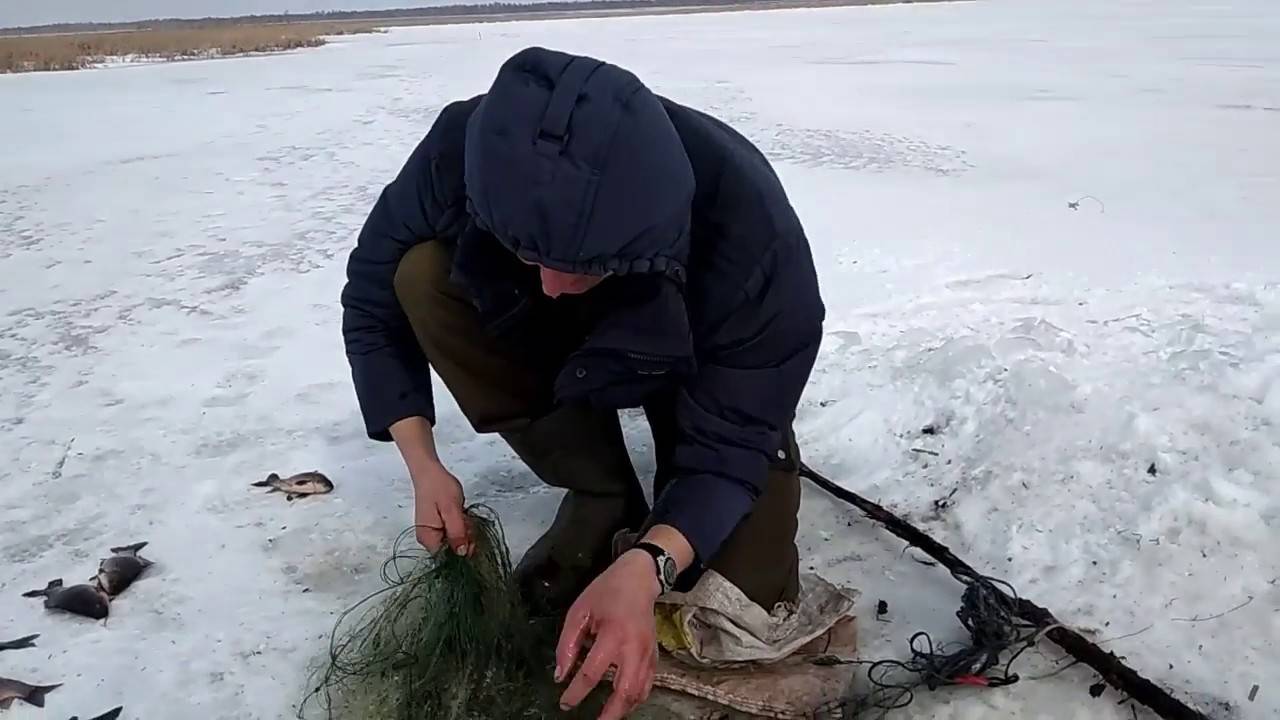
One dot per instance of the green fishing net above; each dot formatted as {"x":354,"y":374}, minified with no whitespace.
{"x":446,"y":638}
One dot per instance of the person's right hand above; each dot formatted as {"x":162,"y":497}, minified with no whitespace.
{"x":438,"y":512}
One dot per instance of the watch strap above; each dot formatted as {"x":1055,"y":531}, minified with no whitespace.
{"x":661,"y":560}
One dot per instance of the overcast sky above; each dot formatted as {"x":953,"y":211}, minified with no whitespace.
{"x":14,"y":13}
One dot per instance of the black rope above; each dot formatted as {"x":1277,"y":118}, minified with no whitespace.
{"x":997,"y":620}
{"x":988,"y":611}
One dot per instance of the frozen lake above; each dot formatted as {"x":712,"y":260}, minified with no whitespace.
{"x":172,"y":246}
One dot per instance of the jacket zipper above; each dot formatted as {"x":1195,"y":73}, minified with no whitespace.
{"x":647,"y":357}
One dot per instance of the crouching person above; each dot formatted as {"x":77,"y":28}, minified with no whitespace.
{"x":563,"y":246}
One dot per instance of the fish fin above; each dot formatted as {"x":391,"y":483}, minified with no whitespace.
{"x":36,"y":696}
{"x":111,"y":714}
{"x":261,"y":483}
{"x":292,"y":496}
{"x":129,"y":548}
{"x":5,"y":703}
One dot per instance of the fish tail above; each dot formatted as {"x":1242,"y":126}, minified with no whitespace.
{"x":36,"y":696}
{"x":22,"y":643}
{"x":45,"y":591}
{"x":273,"y":477}
{"x":130,"y":548}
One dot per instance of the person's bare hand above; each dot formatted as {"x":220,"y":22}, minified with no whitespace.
{"x":438,"y":512}
{"x":616,"y":613}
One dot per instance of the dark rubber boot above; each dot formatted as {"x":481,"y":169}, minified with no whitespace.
{"x":582,"y":450}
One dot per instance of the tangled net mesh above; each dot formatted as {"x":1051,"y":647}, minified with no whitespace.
{"x":446,"y":638}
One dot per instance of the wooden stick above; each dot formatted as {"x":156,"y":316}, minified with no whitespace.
{"x":1111,"y":668}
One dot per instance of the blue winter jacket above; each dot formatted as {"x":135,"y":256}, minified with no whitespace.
{"x":574,"y":164}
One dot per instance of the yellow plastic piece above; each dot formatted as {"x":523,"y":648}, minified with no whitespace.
{"x":671,"y":634}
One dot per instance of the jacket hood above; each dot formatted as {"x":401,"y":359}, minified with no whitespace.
{"x":573,"y":163}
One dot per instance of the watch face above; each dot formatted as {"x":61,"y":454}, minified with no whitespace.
{"x":669,"y":571}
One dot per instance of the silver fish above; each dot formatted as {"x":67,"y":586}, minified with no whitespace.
{"x":86,"y":600}
{"x":11,"y":690}
{"x":118,"y":572}
{"x":111,"y":714}
{"x":296,"y":486}
{"x":21,"y":643}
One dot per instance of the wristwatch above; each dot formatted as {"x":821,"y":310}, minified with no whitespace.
{"x":666,"y":565}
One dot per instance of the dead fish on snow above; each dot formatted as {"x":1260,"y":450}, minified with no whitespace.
{"x":295,"y":486}
{"x":11,"y":690}
{"x":21,"y":643}
{"x":86,"y":600}
{"x":118,"y":572}
{"x":111,"y":714}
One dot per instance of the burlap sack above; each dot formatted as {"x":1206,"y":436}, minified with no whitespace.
{"x":719,"y":646}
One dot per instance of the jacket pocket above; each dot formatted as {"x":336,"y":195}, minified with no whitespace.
{"x":619,"y":378}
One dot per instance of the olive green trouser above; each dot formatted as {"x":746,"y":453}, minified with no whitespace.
{"x":504,"y":389}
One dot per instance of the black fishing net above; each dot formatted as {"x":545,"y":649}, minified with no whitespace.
{"x":989,"y":612}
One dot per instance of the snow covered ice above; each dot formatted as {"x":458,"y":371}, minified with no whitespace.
{"x":172,"y":243}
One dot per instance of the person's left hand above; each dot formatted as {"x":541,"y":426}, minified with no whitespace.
{"x":616,"y":612}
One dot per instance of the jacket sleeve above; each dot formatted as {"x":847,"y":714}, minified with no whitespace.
{"x":388,"y":367}
{"x":731,"y":417}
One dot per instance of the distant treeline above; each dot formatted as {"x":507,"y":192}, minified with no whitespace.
{"x":440,"y":11}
